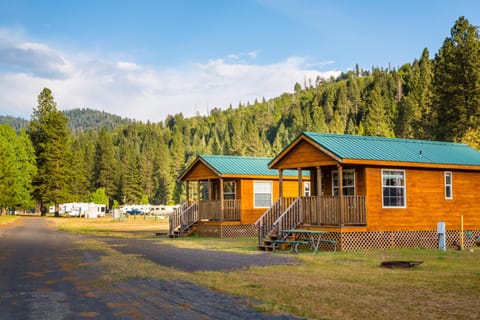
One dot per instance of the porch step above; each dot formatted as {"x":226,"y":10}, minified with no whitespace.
{"x":268,"y":243}
{"x":190,"y":230}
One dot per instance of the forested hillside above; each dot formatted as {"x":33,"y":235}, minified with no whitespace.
{"x":434,"y":98}
{"x":78,"y":120}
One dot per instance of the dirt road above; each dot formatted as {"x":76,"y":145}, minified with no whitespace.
{"x":41,"y":278}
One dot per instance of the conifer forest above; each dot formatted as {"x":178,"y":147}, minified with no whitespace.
{"x":70,"y":156}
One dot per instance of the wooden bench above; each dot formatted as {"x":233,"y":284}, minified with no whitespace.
{"x":293,"y":244}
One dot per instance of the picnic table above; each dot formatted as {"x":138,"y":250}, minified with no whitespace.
{"x":312,"y":237}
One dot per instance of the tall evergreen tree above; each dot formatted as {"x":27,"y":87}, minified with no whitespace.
{"x":457,"y":82}
{"x":105,"y":169}
{"x":51,"y":141}
{"x":375,"y":123}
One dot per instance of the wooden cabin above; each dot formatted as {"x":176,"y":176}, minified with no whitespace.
{"x":376,"y":193}
{"x":227,"y":194}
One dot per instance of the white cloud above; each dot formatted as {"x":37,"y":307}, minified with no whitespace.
{"x":139,"y":91}
{"x":35,"y":58}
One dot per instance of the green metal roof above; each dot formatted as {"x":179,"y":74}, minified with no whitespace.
{"x":392,"y":149}
{"x":251,"y":166}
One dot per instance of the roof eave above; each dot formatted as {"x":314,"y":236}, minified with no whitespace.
{"x":205,"y":162}
{"x":410,"y":164}
{"x":303,"y":137}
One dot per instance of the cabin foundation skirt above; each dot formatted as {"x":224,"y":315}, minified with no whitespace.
{"x":227,"y":230}
{"x":353,"y":241}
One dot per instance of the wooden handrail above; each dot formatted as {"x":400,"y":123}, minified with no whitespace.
{"x":183,"y":217}
{"x":265,"y":222}
{"x":290,"y":219}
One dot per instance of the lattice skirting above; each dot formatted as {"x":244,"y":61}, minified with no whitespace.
{"x":353,"y":241}
{"x":227,"y":231}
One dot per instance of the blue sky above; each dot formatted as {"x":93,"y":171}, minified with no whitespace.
{"x":147,"y":59}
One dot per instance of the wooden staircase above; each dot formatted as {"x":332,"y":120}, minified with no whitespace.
{"x":184,"y":232}
{"x":274,"y":220}
{"x":184,"y":220}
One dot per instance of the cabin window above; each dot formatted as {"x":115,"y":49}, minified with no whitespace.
{"x":262,"y":194}
{"x":393,"y":189}
{"x":448,"y":185}
{"x":348,"y":181}
{"x":229,"y":190}
{"x":306,"y":188}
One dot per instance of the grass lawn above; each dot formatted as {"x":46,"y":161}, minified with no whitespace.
{"x":342,"y":285}
{"x":7,"y":219}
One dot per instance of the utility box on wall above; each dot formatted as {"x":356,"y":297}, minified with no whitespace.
{"x":442,"y":236}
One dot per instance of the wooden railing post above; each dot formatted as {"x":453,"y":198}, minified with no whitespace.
{"x":221,"y":199}
{"x":340,"y":193}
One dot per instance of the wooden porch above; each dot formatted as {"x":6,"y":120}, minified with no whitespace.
{"x":318,"y":211}
{"x":217,"y":210}
{"x":184,"y":218}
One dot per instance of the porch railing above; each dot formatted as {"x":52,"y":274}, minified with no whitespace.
{"x":183,"y":217}
{"x":212,"y":210}
{"x":290,"y":219}
{"x":325,"y":210}
{"x":266,"y":221}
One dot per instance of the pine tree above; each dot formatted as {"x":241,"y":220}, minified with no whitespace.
{"x":375,"y":123}
{"x":51,"y":140}
{"x":457,"y":82}
{"x":105,"y":167}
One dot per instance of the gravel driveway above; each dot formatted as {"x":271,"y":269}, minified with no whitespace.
{"x":40,"y":279}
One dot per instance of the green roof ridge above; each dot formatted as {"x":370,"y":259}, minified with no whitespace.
{"x":396,"y":149}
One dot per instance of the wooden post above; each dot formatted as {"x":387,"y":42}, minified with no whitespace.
{"x":198,"y":190}
{"x":340,"y":192}
{"x":299,"y":182}
{"x":280,"y":183}
{"x":319,"y":191}
{"x":221,"y":199}
{"x":280,"y":188}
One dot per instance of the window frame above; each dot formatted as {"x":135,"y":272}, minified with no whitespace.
{"x":403,"y":187}
{"x":334,"y":188}
{"x":233,"y":183}
{"x":448,"y":185}
{"x":255,"y":193}
{"x":307,"y":191}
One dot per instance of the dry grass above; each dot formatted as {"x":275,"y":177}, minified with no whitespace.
{"x":327,"y":286}
{"x":354,"y":286}
{"x":131,"y":227}
{"x":7,"y":219}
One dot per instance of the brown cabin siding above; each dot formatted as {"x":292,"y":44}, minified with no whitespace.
{"x":304,"y":155}
{"x":250,"y":214}
{"x":200,"y":172}
{"x":425,"y":201}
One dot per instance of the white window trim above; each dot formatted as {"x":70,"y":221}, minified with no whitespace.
{"x":446,"y":185}
{"x":354,"y":181}
{"x":404,"y":190}
{"x":254,"y":193}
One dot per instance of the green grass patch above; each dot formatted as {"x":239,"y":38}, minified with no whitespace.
{"x":341,"y":285}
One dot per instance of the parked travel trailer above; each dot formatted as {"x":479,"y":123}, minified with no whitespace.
{"x":161,"y":211}
{"x":83,"y":209}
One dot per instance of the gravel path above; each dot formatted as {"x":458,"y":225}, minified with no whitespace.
{"x":43,"y":276}
{"x":197,"y":260}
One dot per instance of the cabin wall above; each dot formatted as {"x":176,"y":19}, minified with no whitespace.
{"x":200,"y":172}
{"x":249,"y":214}
{"x":425,"y":201}
{"x":304,"y":155}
